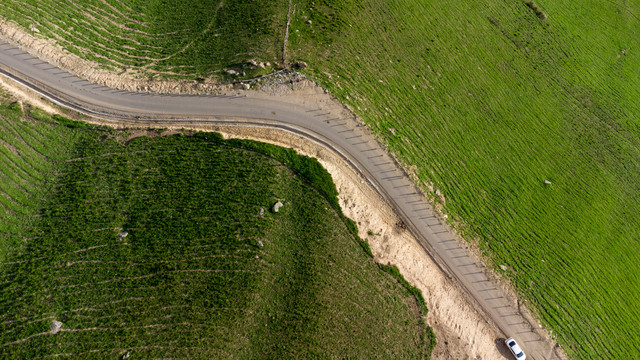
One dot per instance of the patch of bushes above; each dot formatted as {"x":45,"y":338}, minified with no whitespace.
{"x":307,"y":167}
{"x":536,"y":9}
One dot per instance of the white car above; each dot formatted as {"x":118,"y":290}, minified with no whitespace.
{"x":515,"y":349}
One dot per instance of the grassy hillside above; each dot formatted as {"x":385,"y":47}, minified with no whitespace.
{"x":163,"y":37}
{"x":488,"y":99}
{"x":200,"y":273}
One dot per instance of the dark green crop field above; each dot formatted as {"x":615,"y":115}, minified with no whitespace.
{"x":485,"y":100}
{"x":200,"y":273}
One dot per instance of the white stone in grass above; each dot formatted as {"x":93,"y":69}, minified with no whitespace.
{"x":260,"y":243}
{"x":55,"y":326}
{"x":547,"y":182}
{"x":277,"y":206}
{"x":503,"y":267}
{"x":261,"y":212}
{"x":122,"y":235}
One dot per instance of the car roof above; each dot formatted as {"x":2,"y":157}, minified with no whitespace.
{"x":516,"y":348}
{"x":511,"y":342}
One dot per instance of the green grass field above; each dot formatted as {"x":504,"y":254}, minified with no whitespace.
{"x":190,"y":279}
{"x":488,"y":99}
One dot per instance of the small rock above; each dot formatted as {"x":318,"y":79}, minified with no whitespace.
{"x":33,"y":28}
{"x":503,"y":267}
{"x":260,"y":243}
{"x":55,"y":326}
{"x":277,"y":206}
{"x":301,"y":64}
{"x":253,"y":63}
{"x":547,"y":182}
{"x":438,"y":193}
{"x":261,"y":212}
{"x":308,"y":22}
{"x":126,"y":355}
{"x":268,"y":64}
{"x":122,"y":235}
{"x":246,"y":86}
{"x":231,"y":72}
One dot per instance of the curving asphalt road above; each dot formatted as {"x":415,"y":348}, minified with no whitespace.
{"x":360,"y":149}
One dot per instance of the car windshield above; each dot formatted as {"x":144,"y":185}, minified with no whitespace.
{"x":512,"y":343}
{"x":520,"y":355}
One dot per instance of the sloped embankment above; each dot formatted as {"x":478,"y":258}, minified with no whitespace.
{"x":159,"y":247}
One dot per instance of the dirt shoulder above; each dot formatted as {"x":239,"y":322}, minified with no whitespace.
{"x":462,"y":332}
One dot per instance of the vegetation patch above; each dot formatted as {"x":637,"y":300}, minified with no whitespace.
{"x":536,"y":9}
{"x":165,"y":247}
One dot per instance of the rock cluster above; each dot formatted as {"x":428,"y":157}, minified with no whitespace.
{"x":277,"y":206}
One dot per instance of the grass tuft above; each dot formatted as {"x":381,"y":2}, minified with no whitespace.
{"x":536,"y":9}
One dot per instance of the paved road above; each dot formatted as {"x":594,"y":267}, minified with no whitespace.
{"x":360,"y":149}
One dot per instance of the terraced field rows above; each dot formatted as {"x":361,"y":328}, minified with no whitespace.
{"x":163,"y":37}
{"x":199,"y":272}
{"x":29,"y":154}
